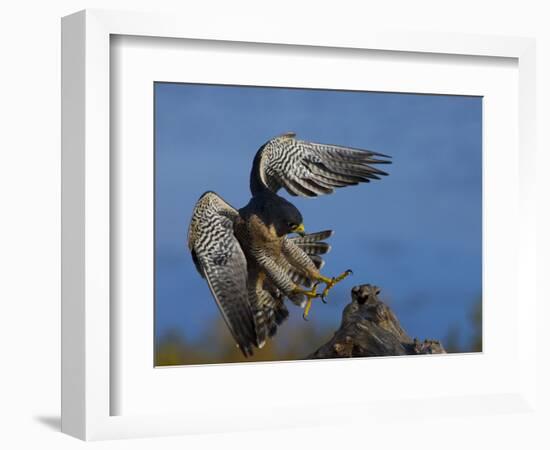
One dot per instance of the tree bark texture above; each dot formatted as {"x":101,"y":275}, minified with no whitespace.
{"x":370,"y":328}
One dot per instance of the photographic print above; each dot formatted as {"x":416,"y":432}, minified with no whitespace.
{"x":294,"y":223}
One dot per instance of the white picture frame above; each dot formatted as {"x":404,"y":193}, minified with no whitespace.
{"x":88,"y":387}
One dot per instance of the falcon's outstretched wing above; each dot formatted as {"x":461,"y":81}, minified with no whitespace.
{"x":220,"y":259}
{"x":309,"y":169}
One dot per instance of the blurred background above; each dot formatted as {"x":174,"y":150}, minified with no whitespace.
{"x":415,"y":233}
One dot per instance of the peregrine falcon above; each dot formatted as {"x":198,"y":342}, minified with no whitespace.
{"x":248,"y":256}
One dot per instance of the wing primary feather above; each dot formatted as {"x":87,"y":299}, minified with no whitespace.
{"x":312,"y":237}
{"x":337,"y":173}
{"x":316,"y":248}
{"x":310,"y":169}
{"x":297,"y":188}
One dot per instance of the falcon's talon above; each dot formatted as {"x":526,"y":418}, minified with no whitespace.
{"x":340,"y":277}
{"x":331,"y":282}
{"x":307,"y":308}
{"x":311,"y":294}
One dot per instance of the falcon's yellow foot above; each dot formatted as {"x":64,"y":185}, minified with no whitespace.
{"x":310,"y":296}
{"x":331,"y":282}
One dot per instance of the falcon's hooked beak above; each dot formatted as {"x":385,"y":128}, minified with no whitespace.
{"x":299,"y":229}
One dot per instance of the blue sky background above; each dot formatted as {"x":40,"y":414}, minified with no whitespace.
{"x":415,"y":233}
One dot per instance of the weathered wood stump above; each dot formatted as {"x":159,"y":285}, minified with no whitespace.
{"x":370,"y":328}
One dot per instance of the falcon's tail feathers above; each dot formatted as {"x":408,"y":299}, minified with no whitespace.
{"x":269,"y":313}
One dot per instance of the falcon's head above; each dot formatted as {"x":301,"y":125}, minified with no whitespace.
{"x":285,"y":217}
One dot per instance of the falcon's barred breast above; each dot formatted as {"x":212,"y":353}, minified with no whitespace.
{"x":247,"y":257}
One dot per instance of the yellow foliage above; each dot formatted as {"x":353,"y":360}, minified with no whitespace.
{"x":293,"y":341}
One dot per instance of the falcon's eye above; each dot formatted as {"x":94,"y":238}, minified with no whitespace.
{"x":296,"y":228}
